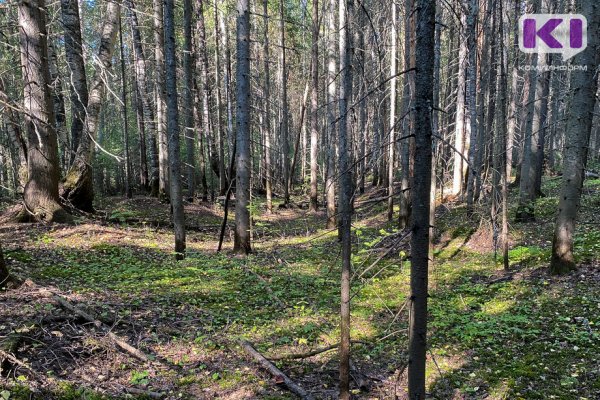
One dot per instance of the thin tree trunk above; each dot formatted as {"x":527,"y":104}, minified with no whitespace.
{"x":459,"y":124}
{"x":161,"y":107}
{"x":314,"y":106}
{"x":219,"y":114}
{"x":173,"y":130}
{"x":78,"y":187}
{"x":145,"y":92}
{"x":346,"y":10}
{"x":141,"y":126}
{"x":471,"y":111}
{"x":267,"y":94}
{"x":242,"y":194}
{"x":392,"y":132}
{"x":331,"y":132}
{"x":13,"y":127}
{"x":285,"y":146}
{"x":126,"y":160}
{"x":188,"y":99}
{"x":425,"y":30}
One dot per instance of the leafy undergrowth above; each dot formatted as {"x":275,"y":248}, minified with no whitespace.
{"x":532,"y":336}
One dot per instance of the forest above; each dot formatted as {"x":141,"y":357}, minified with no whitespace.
{"x":311,"y":199}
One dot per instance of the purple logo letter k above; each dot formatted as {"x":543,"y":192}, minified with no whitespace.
{"x":545,"y":33}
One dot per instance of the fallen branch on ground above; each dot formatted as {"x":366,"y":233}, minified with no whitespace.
{"x":122,"y":344}
{"x":276,"y":372}
{"x":310,"y":353}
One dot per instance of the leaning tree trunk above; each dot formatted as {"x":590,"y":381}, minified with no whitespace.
{"x":242,"y":155}
{"x":417,"y":353}
{"x":145,"y":96}
{"x":176,"y":193}
{"x":578,"y":129}
{"x":77,"y":79}
{"x":41,"y":191}
{"x":78,"y":187}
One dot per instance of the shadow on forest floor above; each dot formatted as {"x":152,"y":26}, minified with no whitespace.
{"x":529,"y":337}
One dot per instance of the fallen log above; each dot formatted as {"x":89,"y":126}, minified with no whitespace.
{"x":122,"y":344}
{"x":311,"y":353}
{"x":276,"y":372}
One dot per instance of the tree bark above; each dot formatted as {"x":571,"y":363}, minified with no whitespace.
{"x":77,"y":80}
{"x":145,"y":96}
{"x":459,"y":125}
{"x":583,"y":85}
{"x":176,"y":191}
{"x":128,"y":191}
{"x":188,"y":99}
{"x":314,"y":106}
{"x":331,"y":132}
{"x":425,"y":29}
{"x":242,"y":193}
{"x":346,"y":10}
{"x":78,"y":187}
{"x":161,"y":106}
{"x":471,"y":111}
{"x":392,"y":132}
{"x":13,"y":127}
{"x":285,"y":145}
{"x":267,"y":94}
{"x":41,"y":191}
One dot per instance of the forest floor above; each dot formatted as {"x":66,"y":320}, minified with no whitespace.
{"x":492,"y":334}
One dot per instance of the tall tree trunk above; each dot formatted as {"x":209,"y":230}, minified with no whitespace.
{"x":41,"y":191}
{"x":242,"y":193}
{"x":161,"y":105}
{"x":540,"y":125}
{"x":128,"y":192}
{"x":331,"y":132}
{"x":392,"y":132}
{"x":471,"y":111}
{"x":459,"y":124}
{"x":285,"y":145}
{"x":219,"y":114}
{"x":583,"y":85}
{"x":145,"y":97}
{"x":78,"y":187}
{"x":267,"y":94}
{"x":314,"y":106}
{"x":77,"y":80}
{"x":346,"y":10}
{"x":525,"y":210}
{"x":425,"y":29}
{"x":188,"y":99}
{"x":207,"y":133}
{"x":404,"y":198}
{"x":514,"y":88}
{"x":58,"y":101}
{"x":173,"y":130}
{"x":141,"y":126}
